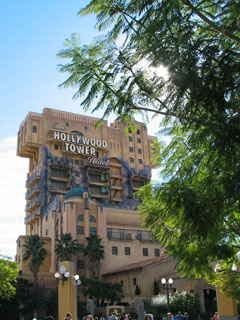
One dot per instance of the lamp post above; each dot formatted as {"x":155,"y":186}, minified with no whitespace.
{"x":167,"y":285}
{"x":64,"y":275}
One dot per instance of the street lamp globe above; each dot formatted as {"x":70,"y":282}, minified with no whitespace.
{"x":163,"y":280}
{"x":238,"y":256}
{"x":170,"y":281}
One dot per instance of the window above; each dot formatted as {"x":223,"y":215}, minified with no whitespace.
{"x":139,"y":140}
{"x":140,"y":161}
{"x":97,"y":154}
{"x":46,"y":232}
{"x":139,"y":235}
{"x":80,"y":264}
{"x":138,"y":131}
{"x":130,"y":139}
{"x":157,"y":252}
{"x":47,"y":217}
{"x":139,"y":151}
{"x":127,"y":251}
{"x":92,"y":230}
{"x":80,"y":217}
{"x":131,"y":160}
{"x":34,"y":129}
{"x":114,"y":250}
{"x":56,"y":147}
{"x":19,"y":244}
{"x":130,"y":149}
{"x":80,"y":247}
{"x":67,"y":124}
{"x":145,"y":252}
{"x":80,"y":230}
{"x":85,"y":127}
{"x":77,"y":174}
{"x":121,"y":281}
{"x":76,"y":162}
{"x":92,"y":219}
{"x":134,"y":281}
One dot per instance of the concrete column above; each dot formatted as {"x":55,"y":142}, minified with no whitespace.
{"x":67,"y":293}
{"x":227,"y":307}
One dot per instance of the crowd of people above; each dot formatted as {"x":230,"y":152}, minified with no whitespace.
{"x":148,"y":316}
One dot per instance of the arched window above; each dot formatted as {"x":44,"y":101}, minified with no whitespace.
{"x":92,"y":219}
{"x":80,"y":217}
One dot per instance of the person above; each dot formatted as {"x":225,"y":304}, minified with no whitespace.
{"x":68,"y":316}
{"x":216,"y":317}
{"x":89,"y":317}
{"x":170,"y":316}
{"x":164,"y":317}
{"x":49,"y":318}
{"x":102,"y":318}
{"x":148,"y":317}
{"x":186,"y":316}
{"x":113,"y":316}
{"x":179,"y":316}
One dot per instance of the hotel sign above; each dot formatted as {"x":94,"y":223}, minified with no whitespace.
{"x":79,"y":144}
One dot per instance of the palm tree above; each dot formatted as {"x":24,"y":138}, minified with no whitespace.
{"x":94,"y":252}
{"x":36,"y":253}
{"x":65,"y":247}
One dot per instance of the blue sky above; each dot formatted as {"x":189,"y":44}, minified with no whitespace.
{"x":31,"y":33}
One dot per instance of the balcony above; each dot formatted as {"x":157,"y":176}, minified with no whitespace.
{"x":35,"y":177}
{"x":117,"y":235}
{"x":115,"y":174}
{"x":33,"y":204}
{"x":32,"y":217}
{"x":146,"y":237}
{"x":31,"y":193}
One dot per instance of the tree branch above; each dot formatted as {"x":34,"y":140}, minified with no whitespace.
{"x":209,"y":22}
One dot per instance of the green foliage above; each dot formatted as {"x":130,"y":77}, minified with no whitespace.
{"x":186,"y":303}
{"x":195,"y":212}
{"x":227,"y":280}
{"x":94,"y":252}
{"x":101,"y":290}
{"x":8,"y":275}
{"x":65,"y":247}
{"x":35,"y":252}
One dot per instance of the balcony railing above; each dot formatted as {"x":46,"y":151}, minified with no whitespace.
{"x":32,"y":216}
{"x":148,"y":237}
{"x":32,"y":179}
{"x":32,"y":192}
{"x":115,"y":235}
{"x":33,"y":204}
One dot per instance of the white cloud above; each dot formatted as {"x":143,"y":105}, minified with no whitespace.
{"x":13,"y":171}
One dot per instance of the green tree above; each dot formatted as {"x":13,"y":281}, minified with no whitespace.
{"x":195,"y":211}
{"x":35,"y":252}
{"x":65,"y":247}
{"x":94,"y":252}
{"x":101,"y":290}
{"x":8,"y":275}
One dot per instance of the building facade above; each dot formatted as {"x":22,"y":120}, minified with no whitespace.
{"x":82,"y":180}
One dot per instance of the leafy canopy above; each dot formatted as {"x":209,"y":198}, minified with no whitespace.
{"x":8,"y":276}
{"x":195,"y":211}
{"x":65,"y":247}
{"x":94,"y":252}
{"x":35,"y":252}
